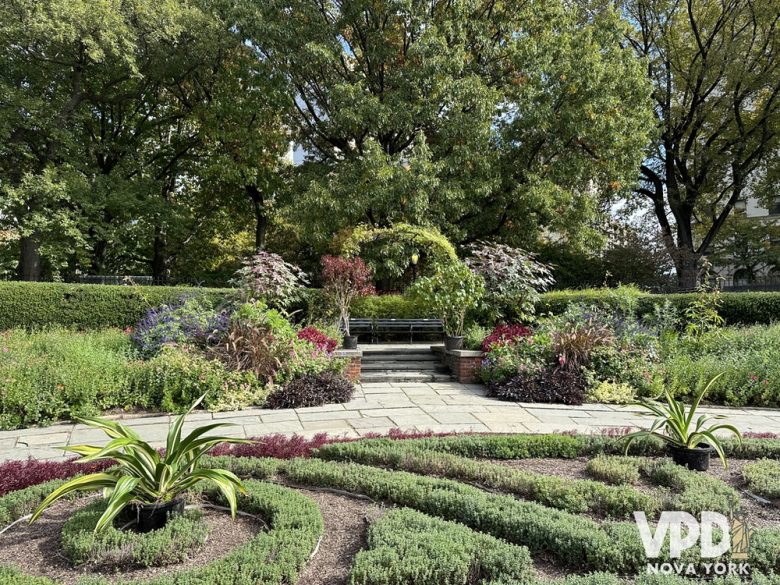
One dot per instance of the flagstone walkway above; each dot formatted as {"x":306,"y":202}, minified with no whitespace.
{"x":378,"y":408}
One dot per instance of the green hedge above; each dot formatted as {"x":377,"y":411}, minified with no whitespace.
{"x":737,"y":308}
{"x":32,"y":305}
{"x":405,"y":546}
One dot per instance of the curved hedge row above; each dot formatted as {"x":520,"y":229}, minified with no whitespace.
{"x":270,"y":558}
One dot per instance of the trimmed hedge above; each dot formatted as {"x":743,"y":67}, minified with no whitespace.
{"x":270,"y":558}
{"x":405,"y":546}
{"x":33,"y":305}
{"x":571,"y":495}
{"x":763,"y":478}
{"x":737,"y":308}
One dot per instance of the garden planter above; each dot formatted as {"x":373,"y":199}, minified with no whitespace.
{"x":452,"y":342}
{"x":697,"y":459}
{"x":350,"y":342}
{"x":154,"y":516}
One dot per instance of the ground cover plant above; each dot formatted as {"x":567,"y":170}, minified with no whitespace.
{"x":444,"y":514}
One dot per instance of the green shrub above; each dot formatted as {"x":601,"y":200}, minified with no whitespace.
{"x":176,"y":377}
{"x":572,"y":495}
{"x":744,"y":358}
{"x":765,"y":551}
{"x":33,"y":305}
{"x":763,"y":478}
{"x":615,"y":470}
{"x":58,"y":374}
{"x":405,"y":546}
{"x":611,"y":393}
{"x":173,"y":543}
{"x":692,"y":491}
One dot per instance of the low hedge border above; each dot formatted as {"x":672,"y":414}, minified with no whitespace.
{"x":406,"y":546}
{"x":763,"y":478}
{"x":173,"y":543}
{"x":571,"y":495}
{"x":34,"y":305}
{"x":688,"y":490}
{"x":270,"y":558}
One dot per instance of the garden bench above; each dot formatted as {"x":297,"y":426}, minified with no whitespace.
{"x":411,"y":326}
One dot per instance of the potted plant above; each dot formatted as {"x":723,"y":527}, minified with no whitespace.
{"x":343,"y":280}
{"x":690,"y":443}
{"x":450,"y":293}
{"x":148,"y":483}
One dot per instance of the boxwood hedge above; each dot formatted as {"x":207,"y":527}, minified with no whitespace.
{"x":33,"y":305}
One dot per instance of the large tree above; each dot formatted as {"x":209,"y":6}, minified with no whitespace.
{"x":481,"y":117}
{"x":715,"y":69}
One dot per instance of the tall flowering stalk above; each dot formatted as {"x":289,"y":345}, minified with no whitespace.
{"x":345,"y":279}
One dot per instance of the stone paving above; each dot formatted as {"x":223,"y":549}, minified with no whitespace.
{"x":378,"y":408}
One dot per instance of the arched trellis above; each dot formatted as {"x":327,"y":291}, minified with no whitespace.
{"x":394,"y":247}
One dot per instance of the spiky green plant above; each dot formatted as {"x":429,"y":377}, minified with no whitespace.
{"x":144,"y":476}
{"x":675,"y":424}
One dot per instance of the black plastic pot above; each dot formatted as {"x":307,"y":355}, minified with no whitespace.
{"x":350,"y":342}
{"x":155,"y":516}
{"x":697,"y":459}
{"x":453,"y":342}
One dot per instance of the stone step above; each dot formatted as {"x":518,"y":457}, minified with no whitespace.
{"x":404,"y":366}
{"x":396,"y":350}
{"x":400,"y":357}
{"x":398,"y":377}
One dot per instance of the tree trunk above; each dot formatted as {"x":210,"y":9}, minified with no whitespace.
{"x":687,"y":265}
{"x":261,"y":217}
{"x":159,"y":268}
{"x":30,"y":266}
{"x":98,"y":263}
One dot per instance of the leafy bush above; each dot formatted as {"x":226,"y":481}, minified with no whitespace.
{"x":319,"y":339}
{"x":35,"y":305}
{"x":189,"y":320}
{"x":56,"y":374}
{"x":526,"y":355}
{"x":265,"y":276}
{"x":692,"y":491}
{"x":176,"y":377}
{"x":611,"y":393}
{"x":344,"y":280}
{"x":615,"y":470}
{"x":312,"y":390}
{"x":474,"y":335}
{"x":505,"y":334}
{"x":763,"y":478}
{"x":173,"y":543}
{"x":405,"y":546}
{"x":450,"y":293}
{"x":389,"y":307}
{"x":513,"y":279}
{"x":556,"y":385}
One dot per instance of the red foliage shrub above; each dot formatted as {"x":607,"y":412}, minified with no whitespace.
{"x":16,"y":475}
{"x":503,"y":334}
{"x":319,"y":339}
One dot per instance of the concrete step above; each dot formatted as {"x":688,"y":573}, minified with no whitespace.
{"x":404,"y":366}
{"x":396,"y":350}
{"x":398,"y":377}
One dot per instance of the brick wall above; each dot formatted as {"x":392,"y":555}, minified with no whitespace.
{"x":464,"y":365}
{"x":354,"y":364}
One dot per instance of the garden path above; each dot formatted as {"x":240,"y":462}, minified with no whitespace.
{"x":378,"y":408}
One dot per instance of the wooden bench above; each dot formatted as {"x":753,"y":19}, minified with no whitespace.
{"x":375,"y":327}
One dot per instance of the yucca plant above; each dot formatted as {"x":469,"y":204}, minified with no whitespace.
{"x":144,"y":476}
{"x":675,"y":424}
